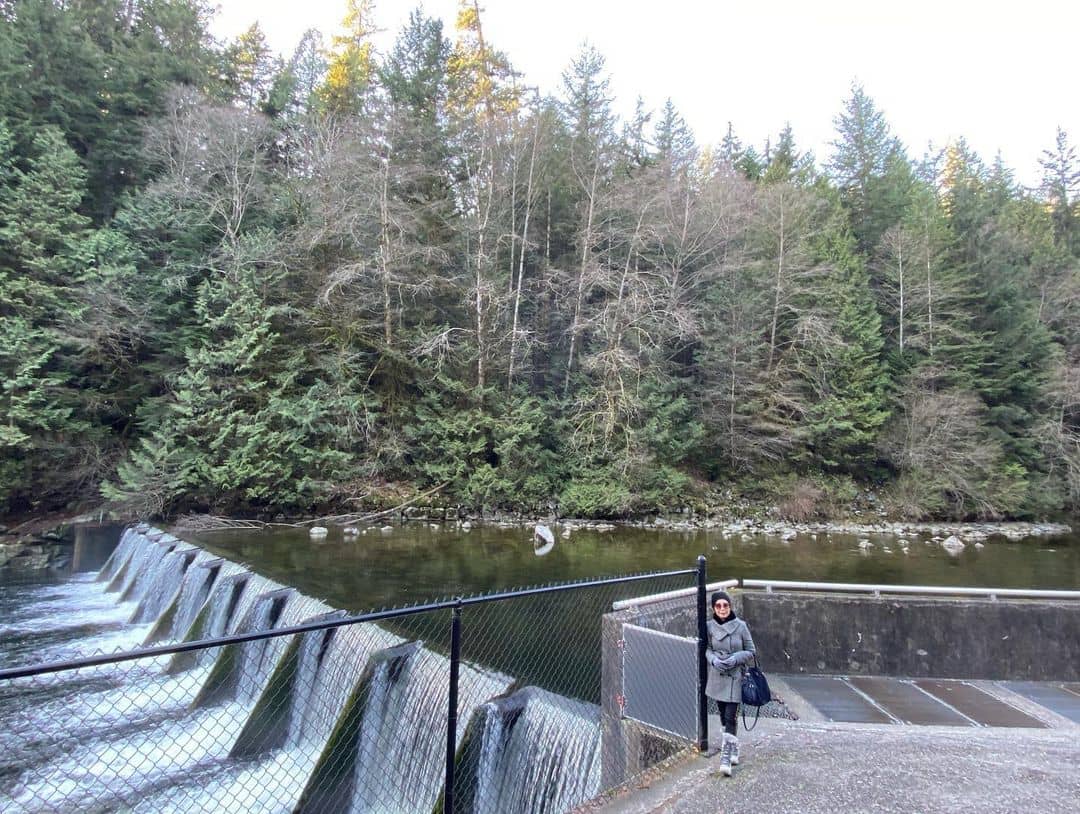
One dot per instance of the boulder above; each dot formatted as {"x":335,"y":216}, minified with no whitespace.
{"x":953,"y":545}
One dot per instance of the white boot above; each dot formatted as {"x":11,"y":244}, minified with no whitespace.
{"x":734,"y":750}
{"x":730,"y":742}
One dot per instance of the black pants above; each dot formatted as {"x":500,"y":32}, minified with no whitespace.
{"x":729,"y":715}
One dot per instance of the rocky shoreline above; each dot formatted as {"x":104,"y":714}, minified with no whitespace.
{"x":952,"y":537}
{"x":48,"y":550}
{"x":47,"y":546}
{"x":966,"y":532}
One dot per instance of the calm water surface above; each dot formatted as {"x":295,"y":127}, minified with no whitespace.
{"x":551,"y":640}
{"x":415,"y":562}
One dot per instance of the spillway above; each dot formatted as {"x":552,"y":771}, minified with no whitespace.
{"x":340,"y":719}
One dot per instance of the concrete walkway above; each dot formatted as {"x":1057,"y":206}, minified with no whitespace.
{"x":812,"y":765}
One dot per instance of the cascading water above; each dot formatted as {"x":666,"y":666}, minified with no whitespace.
{"x":317,"y":679}
{"x":156,"y":730}
{"x":131,"y":538}
{"x":163,"y":584}
{"x":326,"y":676}
{"x":260,"y":657}
{"x":141,"y":569}
{"x":179,"y":617}
{"x":526,"y":742}
{"x":350,"y":718}
{"x":403,"y":732}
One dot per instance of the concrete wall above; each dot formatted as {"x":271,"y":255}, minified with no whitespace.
{"x":852,"y":634}
{"x":1036,"y":640}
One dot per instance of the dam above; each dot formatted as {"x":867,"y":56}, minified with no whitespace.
{"x":236,"y":691}
{"x":203,"y":685}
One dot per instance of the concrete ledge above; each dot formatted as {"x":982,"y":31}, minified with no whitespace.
{"x":797,"y":766}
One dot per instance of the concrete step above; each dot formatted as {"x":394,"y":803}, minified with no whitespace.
{"x":929,"y":702}
{"x":1062,"y":698}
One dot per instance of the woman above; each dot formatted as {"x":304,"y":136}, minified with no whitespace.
{"x":729,"y":648}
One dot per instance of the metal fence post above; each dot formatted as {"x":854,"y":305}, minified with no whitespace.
{"x":703,"y":673}
{"x":452,"y":705}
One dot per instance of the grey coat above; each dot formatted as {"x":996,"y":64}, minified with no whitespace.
{"x":730,"y":641}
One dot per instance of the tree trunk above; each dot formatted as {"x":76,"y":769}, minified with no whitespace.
{"x":521,"y":259}
{"x":778,"y":291}
{"x":586,"y":242}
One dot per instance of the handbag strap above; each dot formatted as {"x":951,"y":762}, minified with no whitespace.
{"x":757,"y":710}
{"x":757,"y":714}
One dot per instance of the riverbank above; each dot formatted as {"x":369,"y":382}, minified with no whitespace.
{"x":951,"y":536}
{"x":966,"y":532}
{"x":43,"y":549}
{"x":45,"y":543}
{"x":39,"y":544}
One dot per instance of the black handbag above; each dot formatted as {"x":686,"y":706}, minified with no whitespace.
{"x":755,"y":693}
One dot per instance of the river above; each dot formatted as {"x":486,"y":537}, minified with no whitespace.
{"x":416,"y":562}
{"x":137,"y":736}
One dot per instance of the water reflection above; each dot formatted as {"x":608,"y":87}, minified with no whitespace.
{"x":417,"y":562}
{"x":543,"y":540}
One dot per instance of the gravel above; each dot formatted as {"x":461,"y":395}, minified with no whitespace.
{"x":814,"y":767}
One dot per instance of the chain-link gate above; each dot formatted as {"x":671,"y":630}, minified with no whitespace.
{"x":244,"y":695}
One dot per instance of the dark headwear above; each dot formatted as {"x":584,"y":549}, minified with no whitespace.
{"x":717,"y":595}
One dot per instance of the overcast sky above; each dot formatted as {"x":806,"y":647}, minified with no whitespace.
{"x":1003,"y":74}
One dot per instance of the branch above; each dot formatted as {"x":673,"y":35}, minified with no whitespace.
{"x":206,"y":522}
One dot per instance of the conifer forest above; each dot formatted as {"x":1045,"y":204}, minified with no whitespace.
{"x":237,"y":282}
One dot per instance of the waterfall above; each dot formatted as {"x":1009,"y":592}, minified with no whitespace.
{"x":130,"y":539}
{"x":329,"y":668}
{"x":171,"y":732}
{"x":140,"y":569}
{"x":199,"y":579}
{"x":349,"y":719}
{"x":115,"y":571}
{"x":281,"y":608}
{"x":401,"y":754}
{"x":203,"y":576}
{"x":257,"y":657}
{"x":230,"y":601}
{"x":163,"y":584}
{"x":534,"y":752}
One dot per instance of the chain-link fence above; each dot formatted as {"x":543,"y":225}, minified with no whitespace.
{"x":244,"y":695}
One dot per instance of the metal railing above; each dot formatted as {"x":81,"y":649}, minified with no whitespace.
{"x":623,"y":604}
{"x":928,"y":590}
{"x":336,"y":712}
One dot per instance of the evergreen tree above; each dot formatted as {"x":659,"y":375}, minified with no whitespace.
{"x":307,"y":69}
{"x":637,"y":145}
{"x":248,"y":422}
{"x":351,"y":71}
{"x":869,"y":167}
{"x":731,"y":148}
{"x":97,"y":71}
{"x":251,"y":69}
{"x":751,"y":164}
{"x":415,"y":78}
{"x":673,"y":138}
{"x":590,"y":122}
{"x":786,"y":163}
{"x":850,"y":408}
{"x":414,"y":73}
{"x":1060,"y":186}
{"x":42,"y":254}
